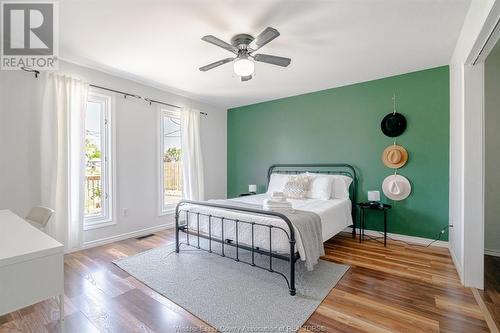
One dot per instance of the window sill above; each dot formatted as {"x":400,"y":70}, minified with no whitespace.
{"x":97,"y":225}
{"x":167,"y":212}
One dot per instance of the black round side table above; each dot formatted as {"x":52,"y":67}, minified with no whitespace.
{"x":363,"y":206}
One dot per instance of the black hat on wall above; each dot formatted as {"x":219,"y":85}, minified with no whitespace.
{"x":394,"y":124}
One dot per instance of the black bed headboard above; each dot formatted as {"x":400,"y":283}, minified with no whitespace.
{"x":326,"y":168}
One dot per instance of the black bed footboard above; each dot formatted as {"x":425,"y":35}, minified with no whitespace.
{"x":292,"y":256}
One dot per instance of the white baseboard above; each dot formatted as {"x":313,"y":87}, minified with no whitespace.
{"x":132,"y":234}
{"x":143,"y":232}
{"x":404,"y":238}
{"x":495,"y":253}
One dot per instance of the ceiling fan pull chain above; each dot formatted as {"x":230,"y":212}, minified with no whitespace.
{"x":394,"y":103}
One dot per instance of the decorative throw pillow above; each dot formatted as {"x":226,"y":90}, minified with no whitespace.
{"x":297,"y":187}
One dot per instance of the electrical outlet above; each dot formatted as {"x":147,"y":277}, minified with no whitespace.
{"x":125,"y":211}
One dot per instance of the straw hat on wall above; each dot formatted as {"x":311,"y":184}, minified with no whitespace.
{"x":394,"y":156}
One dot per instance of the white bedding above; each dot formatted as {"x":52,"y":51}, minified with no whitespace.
{"x":335,"y":216}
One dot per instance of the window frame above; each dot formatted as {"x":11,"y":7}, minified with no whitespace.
{"x":107,"y":162}
{"x":164,"y":209}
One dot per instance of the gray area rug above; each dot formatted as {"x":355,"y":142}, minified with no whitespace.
{"x":232,"y":296}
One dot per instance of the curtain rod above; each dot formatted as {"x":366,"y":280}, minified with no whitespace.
{"x":150,"y":101}
{"x":125,"y":94}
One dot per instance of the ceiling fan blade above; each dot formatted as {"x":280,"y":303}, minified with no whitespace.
{"x":246,"y":78}
{"x":273,"y":60}
{"x":216,"y":64}
{"x":220,"y":43}
{"x":265,"y":37}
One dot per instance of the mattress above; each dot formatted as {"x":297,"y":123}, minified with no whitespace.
{"x":335,"y":215}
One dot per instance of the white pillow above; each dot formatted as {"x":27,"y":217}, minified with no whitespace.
{"x":341,"y":185}
{"x":321,"y":186}
{"x":297,"y":187}
{"x":277,"y":182}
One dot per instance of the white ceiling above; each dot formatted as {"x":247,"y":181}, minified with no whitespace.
{"x":331,"y":43}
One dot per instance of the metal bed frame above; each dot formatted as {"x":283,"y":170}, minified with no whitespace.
{"x":292,"y":256}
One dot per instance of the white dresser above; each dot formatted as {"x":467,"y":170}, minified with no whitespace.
{"x":31,"y":265}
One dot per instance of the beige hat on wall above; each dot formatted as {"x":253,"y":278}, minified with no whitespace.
{"x":396,"y":187}
{"x":394,"y":156}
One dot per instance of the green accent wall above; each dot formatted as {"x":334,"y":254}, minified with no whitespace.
{"x":343,"y":125}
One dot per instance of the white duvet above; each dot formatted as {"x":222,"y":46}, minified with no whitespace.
{"x":335,"y":216}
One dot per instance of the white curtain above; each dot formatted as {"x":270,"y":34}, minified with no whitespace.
{"x":62,"y":157}
{"x":192,"y":159}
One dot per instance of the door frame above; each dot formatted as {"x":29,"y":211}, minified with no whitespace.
{"x":473,"y":145}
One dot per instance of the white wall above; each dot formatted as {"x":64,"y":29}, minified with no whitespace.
{"x":136,"y":149}
{"x":492,"y":156}
{"x":19,"y":188}
{"x":461,"y":133}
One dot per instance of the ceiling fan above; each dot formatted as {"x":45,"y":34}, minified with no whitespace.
{"x":244,"y":47}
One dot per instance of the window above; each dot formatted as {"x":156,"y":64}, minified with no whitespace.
{"x":170,"y":159}
{"x":98,"y":178}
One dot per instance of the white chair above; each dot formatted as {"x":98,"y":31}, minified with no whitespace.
{"x":39,"y":216}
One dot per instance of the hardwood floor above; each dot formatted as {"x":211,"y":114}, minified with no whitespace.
{"x":491,"y":293}
{"x":400,"y":288}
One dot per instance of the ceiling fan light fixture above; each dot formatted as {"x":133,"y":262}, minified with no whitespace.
{"x":244,"y":67}
{"x":244,"y":47}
